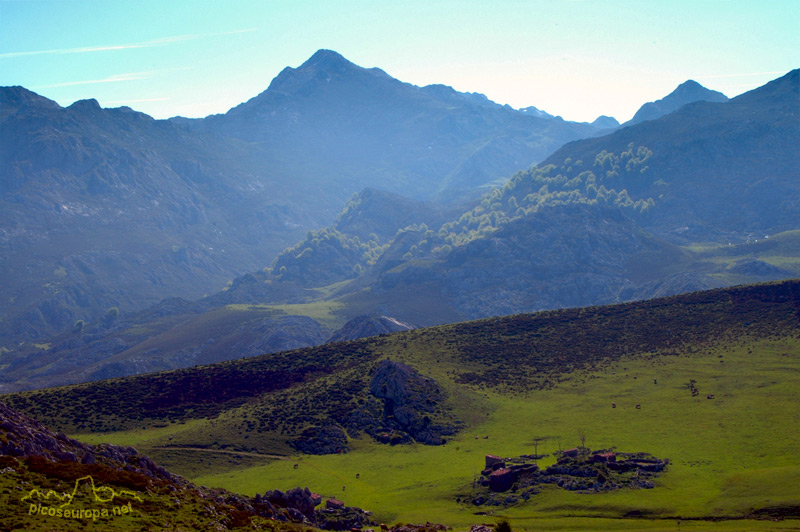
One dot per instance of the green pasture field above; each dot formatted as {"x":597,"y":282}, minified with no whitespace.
{"x":730,"y":456}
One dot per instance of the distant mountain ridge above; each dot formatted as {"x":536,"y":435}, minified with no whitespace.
{"x":602,"y":220}
{"x":719,"y":171}
{"x":687,"y":92}
{"x":202,"y":201}
{"x":338,"y":111}
{"x":366,"y":326}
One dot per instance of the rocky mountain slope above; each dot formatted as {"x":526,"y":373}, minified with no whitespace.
{"x":52,"y":482}
{"x":724,"y":172}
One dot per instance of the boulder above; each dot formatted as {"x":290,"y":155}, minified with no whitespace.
{"x":410,"y":400}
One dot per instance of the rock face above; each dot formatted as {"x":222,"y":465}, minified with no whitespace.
{"x":337,"y":516}
{"x":297,"y":502}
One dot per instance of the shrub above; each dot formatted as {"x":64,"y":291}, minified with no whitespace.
{"x":502,"y":526}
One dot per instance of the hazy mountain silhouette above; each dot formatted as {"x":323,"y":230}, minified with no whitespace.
{"x":599,"y":221}
{"x":688,"y":92}
{"x":103,"y":208}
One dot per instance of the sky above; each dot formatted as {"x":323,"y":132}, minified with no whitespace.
{"x":578,"y":59}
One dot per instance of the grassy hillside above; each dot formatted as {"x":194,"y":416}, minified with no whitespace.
{"x":517,"y":385}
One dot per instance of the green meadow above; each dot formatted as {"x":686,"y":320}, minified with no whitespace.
{"x":732,"y":456}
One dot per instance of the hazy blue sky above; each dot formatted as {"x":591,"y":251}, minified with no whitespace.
{"x":574,"y":58}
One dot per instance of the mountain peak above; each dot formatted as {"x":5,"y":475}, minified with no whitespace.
{"x":605,"y":122}
{"x":18,"y":97}
{"x":692,"y":90}
{"x":323,"y":66}
{"x":687,"y":92}
{"x":326,"y":56}
{"x":329,"y":62}
{"x":89,"y":105}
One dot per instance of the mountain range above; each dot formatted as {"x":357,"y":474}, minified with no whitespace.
{"x":679,"y":200}
{"x":108,"y":208}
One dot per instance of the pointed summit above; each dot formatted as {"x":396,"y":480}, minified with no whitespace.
{"x":687,"y":92}
{"x":327,"y":59}
{"x":320,"y":69}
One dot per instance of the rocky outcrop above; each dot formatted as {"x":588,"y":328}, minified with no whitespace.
{"x":298,"y":503}
{"x":25,"y":437}
{"x":26,"y":444}
{"x":410,"y":402}
{"x":576,"y":469}
{"x":337,"y":516}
